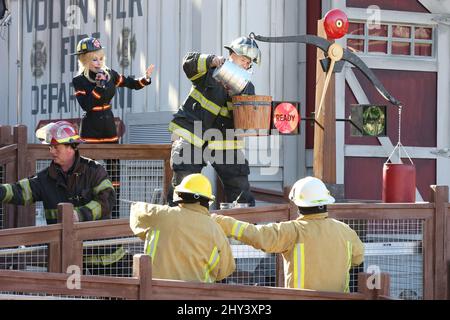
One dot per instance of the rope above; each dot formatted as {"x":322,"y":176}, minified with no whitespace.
{"x":399,"y":130}
{"x":399,"y":145}
{"x":399,"y":122}
{"x":127,"y":201}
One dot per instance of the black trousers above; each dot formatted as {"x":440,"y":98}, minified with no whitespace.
{"x":112,"y":167}
{"x":230,"y":165}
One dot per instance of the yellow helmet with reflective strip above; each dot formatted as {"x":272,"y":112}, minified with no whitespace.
{"x":197,"y":185}
{"x":310,"y":192}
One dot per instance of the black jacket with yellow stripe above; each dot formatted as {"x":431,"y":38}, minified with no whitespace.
{"x":98,"y":124}
{"x":86,"y":186}
{"x":207,"y":102}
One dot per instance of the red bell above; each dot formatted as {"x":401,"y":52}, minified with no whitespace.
{"x":336,"y":24}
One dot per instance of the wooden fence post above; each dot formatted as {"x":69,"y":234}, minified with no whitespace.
{"x":54,"y":257}
{"x":10,"y":175}
{"x":286,"y":191}
{"x":374,"y":286}
{"x":25,"y":216}
{"x":293,"y":211}
{"x":439,"y":196}
{"x":142,"y":269}
{"x":71,"y":248}
{"x":324,"y":165}
{"x":279,"y":270}
{"x":167,"y":179}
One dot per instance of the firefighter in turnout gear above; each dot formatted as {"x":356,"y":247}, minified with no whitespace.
{"x":95,"y":86}
{"x":209,"y":107}
{"x":318,"y":251}
{"x":69,"y":178}
{"x":183,"y":241}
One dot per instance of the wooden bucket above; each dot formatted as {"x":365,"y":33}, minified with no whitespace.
{"x":252,"y":114}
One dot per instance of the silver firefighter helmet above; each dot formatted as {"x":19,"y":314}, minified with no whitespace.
{"x":245,"y":46}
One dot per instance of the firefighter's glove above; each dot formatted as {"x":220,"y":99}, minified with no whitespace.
{"x":217,"y":61}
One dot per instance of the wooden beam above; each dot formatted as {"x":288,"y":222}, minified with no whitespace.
{"x":173,"y":289}
{"x":273,"y":213}
{"x":70,"y":246}
{"x":54,"y":257}
{"x":279,"y":270}
{"x":25,"y":216}
{"x":440,"y":199}
{"x":324,"y":166}
{"x":142,"y":269}
{"x":9,"y":174}
{"x":167,"y":179}
{"x":56,"y":284}
{"x":374,"y":285}
{"x":29,"y":236}
{"x":266,"y":195}
{"x":428,"y":259}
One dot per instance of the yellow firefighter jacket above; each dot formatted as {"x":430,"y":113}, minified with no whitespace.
{"x":318,"y":251}
{"x":183,"y":241}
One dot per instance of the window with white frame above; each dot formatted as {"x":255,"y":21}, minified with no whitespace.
{"x":391,"y":39}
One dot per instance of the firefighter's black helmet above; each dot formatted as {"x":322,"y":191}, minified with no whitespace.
{"x":88,"y":44}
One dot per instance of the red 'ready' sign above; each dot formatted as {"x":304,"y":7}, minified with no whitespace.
{"x":286,"y":118}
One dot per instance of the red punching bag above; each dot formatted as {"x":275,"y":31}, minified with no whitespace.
{"x":399,"y":182}
{"x":399,"y":179}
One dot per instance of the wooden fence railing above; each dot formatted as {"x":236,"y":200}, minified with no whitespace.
{"x":19,"y":159}
{"x":271,"y":196}
{"x":65,"y":240}
{"x":13,"y":155}
{"x":436,"y":233}
{"x":141,"y":286}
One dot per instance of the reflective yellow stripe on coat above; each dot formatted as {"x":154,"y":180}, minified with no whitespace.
{"x":349,"y":265}
{"x":299,"y":266}
{"x":105,"y":184}
{"x":186,"y":135}
{"x":27,"y":194}
{"x":9,"y":193}
{"x":105,"y":260}
{"x":96,"y":209}
{"x":201,"y":67}
{"x":212,"y":263}
{"x":225,"y":113}
{"x":226,"y":144}
{"x":205,"y":103}
{"x":238,"y":229}
{"x":151,"y":243}
{"x":51,"y":214}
